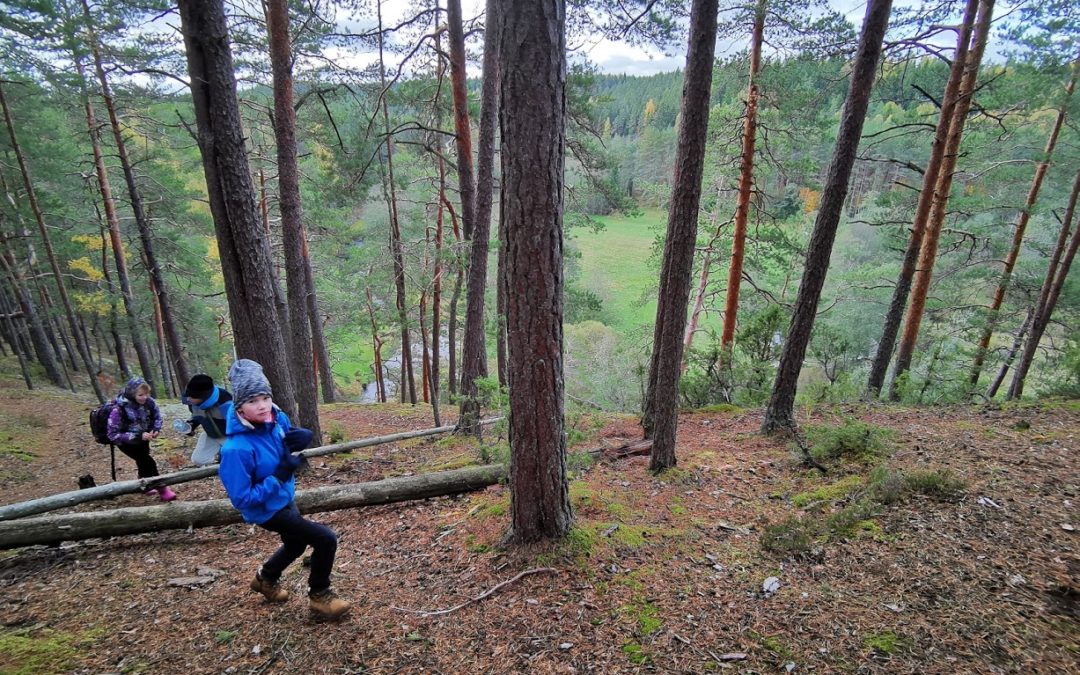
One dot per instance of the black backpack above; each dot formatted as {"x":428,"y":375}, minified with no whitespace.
{"x":99,"y":422}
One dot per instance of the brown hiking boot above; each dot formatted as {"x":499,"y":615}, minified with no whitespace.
{"x":272,"y":592}
{"x":327,"y":605}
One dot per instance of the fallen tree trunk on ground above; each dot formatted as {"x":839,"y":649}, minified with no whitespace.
{"x":183,"y":515}
{"x":68,"y":499}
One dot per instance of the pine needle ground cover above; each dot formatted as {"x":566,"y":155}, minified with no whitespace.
{"x":959,"y":561}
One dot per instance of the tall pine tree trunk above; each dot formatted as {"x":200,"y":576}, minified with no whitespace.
{"x":703,"y":279}
{"x":1006,"y":363}
{"x":532,"y":53}
{"x":661,"y":410}
{"x":928,"y":252}
{"x":662,"y":405}
{"x":474,"y":350}
{"x":46,"y":241}
{"x":11,"y":335}
{"x":293,"y":236}
{"x":895,"y":313}
{"x":1018,"y":232}
{"x":779,"y":412}
{"x":168,"y":320}
{"x":1058,"y":269}
{"x":746,"y":184}
{"x":408,"y":382}
{"x":242,"y":244}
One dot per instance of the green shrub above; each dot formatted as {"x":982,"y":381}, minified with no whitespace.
{"x":937,"y":484}
{"x":793,"y":536}
{"x":335,"y":432}
{"x":853,"y":441}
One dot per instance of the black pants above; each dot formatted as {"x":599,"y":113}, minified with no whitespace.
{"x":140,"y":452}
{"x":297,"y":533}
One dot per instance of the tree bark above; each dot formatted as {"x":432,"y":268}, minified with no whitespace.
{"x":474,"y":351}
{"x":168,"y":320}
{"x":408,"y":382}
{"x":891,"y":326}
{"x":779,"y":412}
{"x":532,"y":54}
{"x":1020,"y":229}
{"x":662,"y":403}
{"x":46,"y":241}
{"x":942,"y":188}
{"x":293,"y":237}
{"x":318,"y":337}
{"x":1051,"y":290}
{"x":746,"y":184}
{"x":703,"y":280}
{"x":11,"y":334}
{"x":244,"y":250}
{"x":183,"y":515}
{"x":462,"y":129}
{"x":38,"y":340}
{"x":1006,"y":363}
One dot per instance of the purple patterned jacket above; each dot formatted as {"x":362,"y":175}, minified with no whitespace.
{"x":128,"y":420}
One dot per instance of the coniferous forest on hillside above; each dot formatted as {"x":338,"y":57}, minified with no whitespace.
{"x":786,"y":332}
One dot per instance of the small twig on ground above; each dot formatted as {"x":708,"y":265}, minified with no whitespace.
{"x":492,"y":590}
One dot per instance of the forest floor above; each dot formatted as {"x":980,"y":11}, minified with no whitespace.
{"x":952,"y":549}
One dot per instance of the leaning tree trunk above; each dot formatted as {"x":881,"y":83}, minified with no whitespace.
{"x":46,"y":241}
{"x":25,"y":301}
{"x":928,"y":252}
{"x":168,"y":320}
{"x":318,"y":337}
{"x":113,"y":222}
{"x":1018,"y":233}
{"x":11,"y":334}
{"x":474,"y":351}
{"x":1051,"y":290}
{"x":114,"y":329}
{"x":1006,"y":363}
{"x":779,"y":412}
{"x":532,"y":55}
{"x":891,"y":326}
{"x":662,"y":406}
{"x":293,"y":236}
{"x":244,"y":250}
{"x":746,"y":182}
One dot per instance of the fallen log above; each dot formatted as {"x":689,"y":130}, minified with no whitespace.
{"x":68,"y":499}
{"x":634,"y":448}
{"x":183,"y":515}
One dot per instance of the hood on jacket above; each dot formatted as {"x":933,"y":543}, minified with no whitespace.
{"x":132,"y":388}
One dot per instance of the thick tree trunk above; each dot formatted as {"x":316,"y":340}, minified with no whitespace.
{"x":301,"y":359}
{"x":183,"y":515}
{"x":532,"y":56}
{"x":244,"y":250}
{"x":474,"y":351}
{"x":662,"y":406}
{"x":1058,"y":270}
{"x":1020,"y":229}
{"x":462,"y":129}
{"x":779,"y":412}
{"x":168,"y":320}
{"x":928,"y":252}
{"x":46,"y":241}
{"x":891,"y":326}
{"x":746,"y":184}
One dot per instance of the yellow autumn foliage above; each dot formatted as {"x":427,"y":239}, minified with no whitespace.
{"x":86,"y":268}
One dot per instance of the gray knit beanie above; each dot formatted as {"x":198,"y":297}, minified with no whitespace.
{"x":248,"y":381}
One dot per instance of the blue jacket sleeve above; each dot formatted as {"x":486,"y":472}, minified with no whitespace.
{"x":238,"y":475}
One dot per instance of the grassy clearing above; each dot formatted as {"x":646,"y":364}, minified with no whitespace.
{"x":615,"y":266}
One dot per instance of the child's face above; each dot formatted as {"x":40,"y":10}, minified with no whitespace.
{"x":195,"y":401}
{"x":258,"y":409}
{"x":141,"y":396}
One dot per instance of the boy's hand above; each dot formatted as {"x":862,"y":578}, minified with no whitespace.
{"x":287,"y":467}
{"x":297,"y":439}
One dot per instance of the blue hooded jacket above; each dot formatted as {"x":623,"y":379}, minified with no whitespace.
{"x":248,"y":458}
{"x":211,"y":413}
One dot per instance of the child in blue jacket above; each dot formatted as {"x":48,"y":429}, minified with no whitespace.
{"x":257,"y":467}
{"x":206,"y":401}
